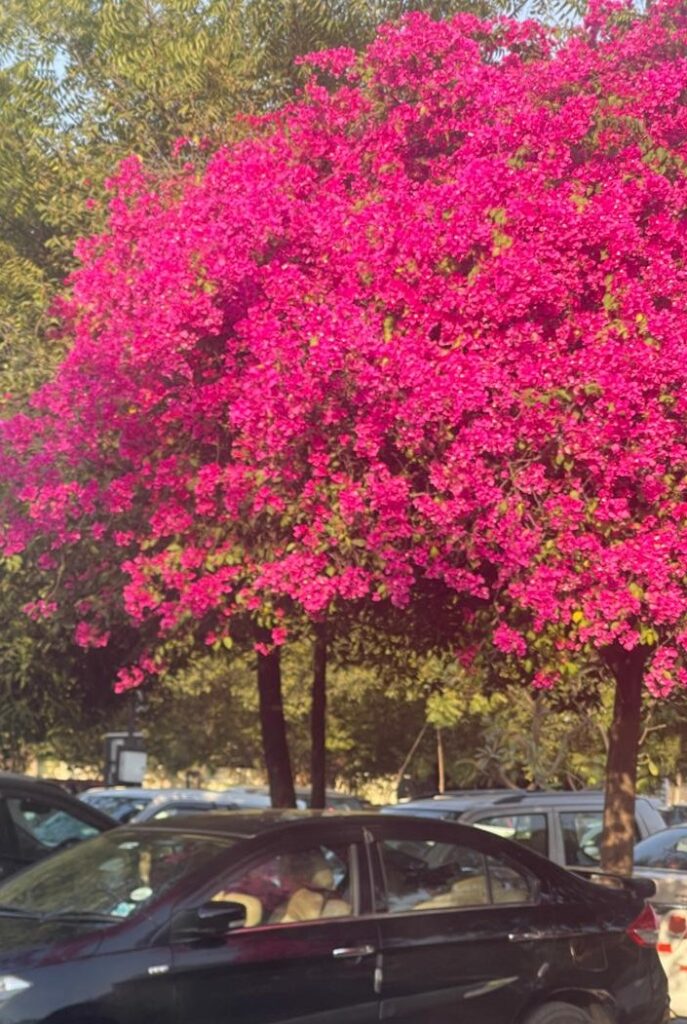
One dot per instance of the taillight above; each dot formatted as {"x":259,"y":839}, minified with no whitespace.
{"x":644,"y":930}
{"x":677,"y":924}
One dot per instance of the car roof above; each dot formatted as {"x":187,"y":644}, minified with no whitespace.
{"x":201,"y":795}
{"x":125,"y":792}
{"x":495,"y":798}
{"x":247,"y":824}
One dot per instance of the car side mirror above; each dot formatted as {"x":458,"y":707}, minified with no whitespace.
{"x":210,"y":922}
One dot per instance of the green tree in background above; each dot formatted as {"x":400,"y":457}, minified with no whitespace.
{"x":85,"y":82}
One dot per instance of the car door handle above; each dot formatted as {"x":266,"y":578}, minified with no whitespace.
{"x":348,"y":952}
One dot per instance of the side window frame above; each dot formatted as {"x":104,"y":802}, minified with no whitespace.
{"x":9,"y":844}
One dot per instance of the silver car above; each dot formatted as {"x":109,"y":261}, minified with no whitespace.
{"x":663,"y":858}
{"x":564,"y":826}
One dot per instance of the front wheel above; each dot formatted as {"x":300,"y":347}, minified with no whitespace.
{"x":559,"y":1013}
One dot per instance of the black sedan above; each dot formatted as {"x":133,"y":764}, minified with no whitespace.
{"x":268,"y":917}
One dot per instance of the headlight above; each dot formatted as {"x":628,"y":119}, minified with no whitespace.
{"x":10,"y":985}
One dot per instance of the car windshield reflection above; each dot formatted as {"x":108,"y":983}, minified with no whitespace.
{"x":112,"y":877}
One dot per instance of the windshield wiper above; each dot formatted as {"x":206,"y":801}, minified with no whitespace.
{"x":81,"y":915}
{"x":7,"y":911}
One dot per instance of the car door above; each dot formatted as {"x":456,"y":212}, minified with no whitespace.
{"x":463,"y":926}
{"x":307,"y":952}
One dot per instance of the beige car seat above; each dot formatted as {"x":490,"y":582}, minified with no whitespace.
{"x":467,"y":892}
{"x":316,"y":897}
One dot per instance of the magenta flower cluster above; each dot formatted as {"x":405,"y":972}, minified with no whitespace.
{"x":431,"y":323}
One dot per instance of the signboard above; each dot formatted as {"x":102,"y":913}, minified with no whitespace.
{"x":125,"y":758}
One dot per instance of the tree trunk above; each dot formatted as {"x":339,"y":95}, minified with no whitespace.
{"x":409,"y":757}
{"x":273,"y":725}
{"x":621,"y":766}
{"x":441,"y":770}
{"x":318,"y":718}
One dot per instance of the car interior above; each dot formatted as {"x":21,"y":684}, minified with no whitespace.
{"x":304,"y":886}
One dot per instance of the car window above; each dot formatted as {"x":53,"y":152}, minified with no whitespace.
{"x":305,"y":885}
{"x":530,"y":830}
{"x":425,"y":875}
{"x":510,"y":883}
{"x":663,"y":850}
{"x":40,"y":826}
{"x":428,"y":875}
{"x":582,"y":833}
{"x":582,"y":837}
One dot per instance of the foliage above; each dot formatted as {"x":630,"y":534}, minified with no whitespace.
{"x":428,"y":326}
{"x":337,"y":333}
{"x":85,"y":82}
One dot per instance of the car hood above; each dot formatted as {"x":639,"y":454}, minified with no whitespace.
{"x":27,"y":942}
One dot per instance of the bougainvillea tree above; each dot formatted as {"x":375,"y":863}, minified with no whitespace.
{"x":429,"y":324}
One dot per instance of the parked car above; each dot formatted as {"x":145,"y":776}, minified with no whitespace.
{"x":252,"y":797}
{"x":663,"y":858}
{"x":676,"y":814}
{"x":564,"y":826}
{"x":268,"y":917}
{"x":136,"y":803}
{"x":335,"y":800}
{"x":259,"y":796}
{"x":170,"y":802}
{"x":120,"y":802}
{"x":37,"y":818}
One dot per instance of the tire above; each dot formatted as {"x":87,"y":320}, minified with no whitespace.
{"x":558,"y":1013}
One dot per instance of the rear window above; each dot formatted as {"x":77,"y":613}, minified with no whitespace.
{"x":663,"y":850}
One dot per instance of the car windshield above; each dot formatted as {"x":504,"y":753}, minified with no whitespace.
{"x":663,"y":850}
{"x":115,"y":875}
